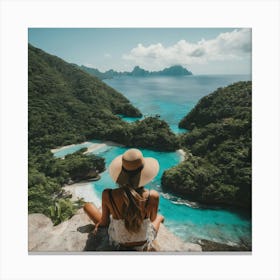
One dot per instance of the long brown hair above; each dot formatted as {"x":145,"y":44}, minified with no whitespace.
{"x":132,"y":213}
{"x":128,"y":180}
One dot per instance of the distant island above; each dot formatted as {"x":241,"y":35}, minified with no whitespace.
{"x":173,"y":71}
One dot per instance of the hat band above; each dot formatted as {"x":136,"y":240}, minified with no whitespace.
{"x":133,"y":172}
{"x":132,"y":165}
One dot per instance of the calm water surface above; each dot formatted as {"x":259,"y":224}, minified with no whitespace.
{"x":170,"y":97}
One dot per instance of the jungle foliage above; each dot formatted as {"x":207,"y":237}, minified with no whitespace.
{"x":218,"y":168}
{"x":68,"y":106}
{"x":47,"y":174}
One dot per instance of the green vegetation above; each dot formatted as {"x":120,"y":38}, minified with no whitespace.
{"x":153,"y":133}
{"x":66,"y":106}
{"x":233,"y":101}
{"x":218,"y":166}
{"x":63,"y":209}
{"x":78,"y":166}
{"x":47,"y":174}
{"x":150,"y":133}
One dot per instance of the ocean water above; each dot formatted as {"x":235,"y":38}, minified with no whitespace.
{"x":172,"y":99}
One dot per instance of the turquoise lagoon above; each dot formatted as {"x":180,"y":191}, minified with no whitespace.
{"x":184,"y":218}
{"x":172,"y":98}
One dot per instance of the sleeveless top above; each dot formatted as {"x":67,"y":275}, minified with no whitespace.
{"x":118,"y":234}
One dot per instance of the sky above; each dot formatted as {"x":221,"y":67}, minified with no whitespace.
{"x":200,"y":50}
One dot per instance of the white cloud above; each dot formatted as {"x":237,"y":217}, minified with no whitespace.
{"x":107,"y":55}
{"x":233,"y":45}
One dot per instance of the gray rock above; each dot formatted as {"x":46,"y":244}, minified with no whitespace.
{"x":75,"y":235}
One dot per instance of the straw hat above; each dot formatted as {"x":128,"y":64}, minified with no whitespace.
{"x":132,"y":169}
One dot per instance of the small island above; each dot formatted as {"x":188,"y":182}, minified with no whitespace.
{"x":172,"y":71}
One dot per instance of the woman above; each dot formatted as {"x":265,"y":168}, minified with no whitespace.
{"x":130,"y":211}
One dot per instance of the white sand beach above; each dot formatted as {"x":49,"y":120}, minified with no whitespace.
{"x":67,"y":146}
{"x":85,"y":191}
{"x":182,"y":154}
{"x":95,"y":147}
{"x":91,"y":146}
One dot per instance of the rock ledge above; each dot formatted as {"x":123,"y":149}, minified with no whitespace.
{"x":75,"y":235}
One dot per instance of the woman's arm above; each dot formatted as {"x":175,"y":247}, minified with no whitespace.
{"x":105,"y":219}
{"x":154,"y":201}
{"x":155,"y":218}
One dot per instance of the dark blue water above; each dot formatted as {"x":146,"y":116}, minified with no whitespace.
{"x":172,"y":99}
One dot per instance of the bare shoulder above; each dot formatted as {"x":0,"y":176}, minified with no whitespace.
{"x":105,"y":194}
{"x":154,"y":195}
{"x":115,"y":193}
{"x":154,"y":200}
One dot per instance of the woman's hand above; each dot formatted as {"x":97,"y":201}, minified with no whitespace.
{"x":96,"y":228}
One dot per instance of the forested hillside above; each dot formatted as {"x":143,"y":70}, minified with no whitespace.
{"x":219,"y":149}
{"x":68,"y":106}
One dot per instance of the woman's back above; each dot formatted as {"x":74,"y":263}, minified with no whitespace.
{"x":117,"y":230}
{"x":116,"y":199}
{"x":130,"y":211}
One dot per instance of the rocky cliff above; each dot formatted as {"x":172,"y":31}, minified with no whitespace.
{"x":75,"y":235}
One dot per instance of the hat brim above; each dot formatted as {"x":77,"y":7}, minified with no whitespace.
{"x":148,"y":173}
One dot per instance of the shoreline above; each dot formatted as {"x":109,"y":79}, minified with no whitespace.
{"x":92,"y":146}
{"x":83,"y":190}
{"x":96,"y":146}
{"x":182,"y":154}
{"x":58,"y":149}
